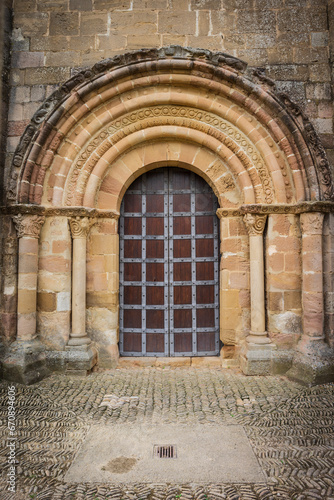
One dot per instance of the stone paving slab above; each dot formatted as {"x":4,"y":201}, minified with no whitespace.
{"x":205,"y":454}
{"x":289,"y":427}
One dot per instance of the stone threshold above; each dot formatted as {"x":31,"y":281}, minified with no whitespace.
{"x":176,"y":362}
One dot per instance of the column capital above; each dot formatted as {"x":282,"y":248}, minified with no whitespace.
{"x":80,"y":226}
{"x":254,"y":223}
{"x":312,"y":222}
{"x":28,"y":226}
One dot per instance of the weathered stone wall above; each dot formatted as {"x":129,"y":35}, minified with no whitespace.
{"x":8,"y":246}
{"x":5,"y":33}
{"x":53,"y":39}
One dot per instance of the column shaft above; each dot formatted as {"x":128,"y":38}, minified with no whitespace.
{"x":28,"y":229}
{"x":79,"y":229}
{"x":79,"y":288}
{"x":255,"y":226}
{"x":312,"y":262}
{"x":258,"y":320}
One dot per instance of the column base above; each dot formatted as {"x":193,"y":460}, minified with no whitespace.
{"x":258,"y":338}
{"x":80,"y":359}
{"x":256,"y":359}
{"x":313,"y":363}
{"x":78,"y":341}
{"x":25,"y":362}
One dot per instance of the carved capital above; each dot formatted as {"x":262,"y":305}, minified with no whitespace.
{"x":255,"y":223}
{"x":28,"y":226}
{"x":311,"y":222}
{"x":80,"y":226}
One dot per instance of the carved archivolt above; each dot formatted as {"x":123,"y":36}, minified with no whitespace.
{"x":287,"y":158}
{"x":191,"y":118}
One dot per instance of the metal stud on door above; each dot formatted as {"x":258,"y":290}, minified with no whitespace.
{"x":169,"y":266}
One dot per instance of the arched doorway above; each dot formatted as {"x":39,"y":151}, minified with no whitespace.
{"x":169,"y":292}
{"x":184,"y":108}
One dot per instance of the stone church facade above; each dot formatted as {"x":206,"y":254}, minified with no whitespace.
{"x":110,"y":108}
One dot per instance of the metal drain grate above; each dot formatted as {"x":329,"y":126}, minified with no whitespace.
{"x":164,"y":451}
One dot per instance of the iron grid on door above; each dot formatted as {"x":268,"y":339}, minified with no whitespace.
{"x":164,"y":267}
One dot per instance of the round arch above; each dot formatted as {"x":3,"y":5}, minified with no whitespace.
{"x":197,"y":96}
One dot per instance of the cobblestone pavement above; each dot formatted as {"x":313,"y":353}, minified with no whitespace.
{"x":290,"y":428}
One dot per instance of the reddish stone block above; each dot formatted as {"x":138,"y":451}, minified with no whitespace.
{"x":281,"y":224}
{"x":28,"y":246}
{"x":313,"y":323}
{"x":292,"y":262}
{"x":28,"y":263}
{"x":97,"y":282}
{"x":276,"y":262}
{"x":60,"y":246}
{"x":232,"y":245}
{"x":312,"y":303}
{"x":284,"y":243}
{"x":312,"y":261}
{"x":54,"y":264}
{"x":285,"y":281}
{"x":312,"y":282}
{"x":234,"y":263}
{"x":16,"y":128}
{"x":237,"y":227}
{"x":8,"y":326}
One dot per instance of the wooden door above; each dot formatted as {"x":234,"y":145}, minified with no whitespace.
{"x":169,"y":266}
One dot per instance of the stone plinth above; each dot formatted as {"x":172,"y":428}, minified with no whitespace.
{"x":25,"y":363}
{"x":257,"y":359}
{"x":313,"y":363}
{"x":80,"y":359}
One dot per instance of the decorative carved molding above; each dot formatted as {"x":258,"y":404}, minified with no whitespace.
{"x":298,"y":208}
{"x":312,"y":139}
{"x":28,"y":226}
{"x":80,"y":226}
{"x":59,"y":211}
{"x":229,"y":212}
{"x":312,"y":222}
{"x":307,"y":206}
{"x":183,"y":116}
{"x":255,"y":223}
{"x":259,"y":74}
